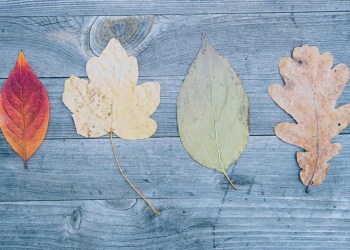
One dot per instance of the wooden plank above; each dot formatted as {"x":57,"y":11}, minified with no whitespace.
{"x":225,"y":223}
{"x":85,"y":169}
{"x":178,"y":7}
{"x":166,"y":45}
{"x":264,"y":113}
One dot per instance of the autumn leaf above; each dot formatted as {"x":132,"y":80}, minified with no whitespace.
{"x":111,"y":101}
{"x":311,"y":90}
{"x":213,"y":111}
{"x":24,"y":110}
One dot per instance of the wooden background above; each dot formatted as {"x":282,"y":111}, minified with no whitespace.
{"x":73,"y":197}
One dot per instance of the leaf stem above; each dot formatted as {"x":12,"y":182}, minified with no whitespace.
{"x":308,"y":188}
{"x":156,"y":212}
{"x":228,"y":178}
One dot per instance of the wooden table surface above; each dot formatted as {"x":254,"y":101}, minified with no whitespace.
{"x":73,"y":197}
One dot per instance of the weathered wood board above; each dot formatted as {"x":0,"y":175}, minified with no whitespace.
{"x":264,"y":114}
{"x":72,"y":195}
{"x":85,"y":169}
{"x":162,"y":7}
{"x":226,"y":223}
{"x":165,"y":46}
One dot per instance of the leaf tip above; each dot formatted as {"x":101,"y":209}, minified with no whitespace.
{"x":21,"y":58}
{"x":205,"y":40}
{"x":206,"y":46}
{"x":113,"y":43}
{"x":113,"y":40}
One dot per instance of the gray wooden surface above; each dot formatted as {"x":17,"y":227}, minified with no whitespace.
{"x":73,"y":197}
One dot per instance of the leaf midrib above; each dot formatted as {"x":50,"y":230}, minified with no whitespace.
{"x":214,"y":117}
{"x":22,"y":113}
{"x":317,"y":130}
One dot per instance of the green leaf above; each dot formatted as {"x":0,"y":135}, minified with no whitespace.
{"x":213,"y":111}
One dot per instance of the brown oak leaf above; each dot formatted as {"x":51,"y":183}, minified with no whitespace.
{"x":312,"y":87}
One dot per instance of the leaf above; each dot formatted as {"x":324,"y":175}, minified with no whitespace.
{"x":24,"y":110}
{"x":111,"y":101}
{"x":311,"y":90}
{"x":213,"y":111}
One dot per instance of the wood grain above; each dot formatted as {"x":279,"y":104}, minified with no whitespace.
{"x":85,"y":169}
{"x":166,"y":45}
{"x":176,"y":7}
{"x":254,"y":223}
{"x":73,"y":197}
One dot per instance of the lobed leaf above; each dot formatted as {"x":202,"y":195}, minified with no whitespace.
{"x":111,"y":99}
{"x":112,"y":102}
{"x":309,"y":95}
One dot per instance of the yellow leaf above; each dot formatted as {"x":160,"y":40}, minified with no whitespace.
{"x":112,"y":100}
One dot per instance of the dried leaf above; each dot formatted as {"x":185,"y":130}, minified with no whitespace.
{"x":311,"y":90}
{"x":112,"y":99}
{"x":213,"y":111}
{"x":112,"y":102}
{"x":24,"y":110}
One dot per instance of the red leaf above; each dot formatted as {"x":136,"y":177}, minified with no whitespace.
{"x":24,"y":110}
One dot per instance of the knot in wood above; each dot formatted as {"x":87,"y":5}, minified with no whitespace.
{"x":76,"y":219}
{"x":130,"y":31}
